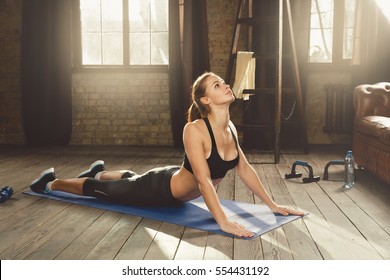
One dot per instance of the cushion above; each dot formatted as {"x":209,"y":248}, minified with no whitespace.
{"x":376,"y":126}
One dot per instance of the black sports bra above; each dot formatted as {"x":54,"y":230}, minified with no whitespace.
{"x":218,"y":167}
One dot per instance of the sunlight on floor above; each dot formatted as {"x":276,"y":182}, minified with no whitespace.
{"x":346,"y":244}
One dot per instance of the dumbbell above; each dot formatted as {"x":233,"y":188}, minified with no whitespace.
{"x":6,"y":194}
{"x":295,"y":174}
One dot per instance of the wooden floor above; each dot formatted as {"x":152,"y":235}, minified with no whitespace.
{"x":342,"y":225}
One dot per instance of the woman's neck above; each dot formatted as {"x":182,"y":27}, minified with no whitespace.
{"x":220,"y":118}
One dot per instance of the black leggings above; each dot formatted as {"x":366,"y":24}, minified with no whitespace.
{"x":152,"y":188}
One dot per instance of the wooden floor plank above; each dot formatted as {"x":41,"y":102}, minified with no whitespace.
{"x":78,"y":219}
{"x":364,"y":232}
{"x":29,"y":227}
{"x":137,"y":246}
{"x":350,"y":240}
{"x":367,"y":227}
{"x":375,"y":204}
{"x":341,"y":225}
{"x":354,"y":243}
{"x":109,"y":246}
{"x":192,"y":245}
{"x":88,"y":240}
{"x":256,"y":157}
{"x":165,"y":243}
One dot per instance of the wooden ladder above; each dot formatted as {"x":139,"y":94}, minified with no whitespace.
{"x":246,"y":15}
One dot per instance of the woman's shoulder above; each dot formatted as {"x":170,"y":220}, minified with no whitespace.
{"x":195,"y":125}
{"x":195,"y":128}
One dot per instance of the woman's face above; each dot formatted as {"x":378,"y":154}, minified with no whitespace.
{"x":217,"y":91}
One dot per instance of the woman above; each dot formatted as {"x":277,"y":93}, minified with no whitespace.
{"x":211,"y":149}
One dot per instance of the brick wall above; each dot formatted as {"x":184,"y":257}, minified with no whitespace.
{"x":121,"y":108}
{"x":11,"y":130}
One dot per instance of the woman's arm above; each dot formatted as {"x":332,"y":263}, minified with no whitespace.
{"x":194,"y":140}
{"x":251,"y":179}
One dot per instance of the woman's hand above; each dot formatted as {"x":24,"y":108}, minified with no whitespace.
{"x":285,"y":211}
{"x":236,"y":229}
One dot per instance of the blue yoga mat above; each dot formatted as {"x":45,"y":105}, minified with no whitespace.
{"x":256,"y":218}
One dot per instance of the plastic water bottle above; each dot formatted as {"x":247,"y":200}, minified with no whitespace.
{"x":349,"y":173}
{"x":6,"y":194}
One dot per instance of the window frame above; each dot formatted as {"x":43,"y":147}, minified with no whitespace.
{"x":125,"y":66}
{"x":338,"y":42}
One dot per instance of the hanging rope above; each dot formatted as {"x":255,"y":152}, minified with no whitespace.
{"x":291,"y":112}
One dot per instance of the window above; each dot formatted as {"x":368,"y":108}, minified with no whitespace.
{"x":384,"y":7}
{"x":331,"y":30}
{"x":124,"y":32}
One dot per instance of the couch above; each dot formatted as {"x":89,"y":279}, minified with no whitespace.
{"x":371,"y":132}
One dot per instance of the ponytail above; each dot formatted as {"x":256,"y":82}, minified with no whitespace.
{"x":193,"y":113}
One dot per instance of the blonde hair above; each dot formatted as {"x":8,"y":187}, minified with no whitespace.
{"x":198,"y":110}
